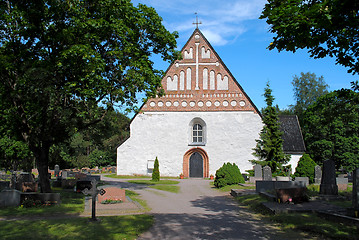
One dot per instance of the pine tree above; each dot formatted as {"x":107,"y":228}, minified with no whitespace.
{"x":269,"y":148}
{"x":156,"y":171}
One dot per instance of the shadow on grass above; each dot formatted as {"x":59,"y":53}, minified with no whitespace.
{"x":118,"y":227}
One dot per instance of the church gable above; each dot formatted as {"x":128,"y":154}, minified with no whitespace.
{"x":200,"y":82}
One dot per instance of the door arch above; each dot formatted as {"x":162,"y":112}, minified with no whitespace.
{"x":196,"y":165}
{"x":186,"y":161}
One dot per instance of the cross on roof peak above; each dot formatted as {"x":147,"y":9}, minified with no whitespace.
{"x":197,"y":23}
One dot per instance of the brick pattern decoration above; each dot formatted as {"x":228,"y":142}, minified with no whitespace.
{"x":204,"y":155}
{"x":212,"y":96}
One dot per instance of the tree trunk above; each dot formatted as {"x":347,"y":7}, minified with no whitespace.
{"x":42,"y":163}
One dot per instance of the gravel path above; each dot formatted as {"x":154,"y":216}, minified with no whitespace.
{"x":200,"y":212}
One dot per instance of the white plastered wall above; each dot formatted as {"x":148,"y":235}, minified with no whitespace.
{"x":230,"y":137}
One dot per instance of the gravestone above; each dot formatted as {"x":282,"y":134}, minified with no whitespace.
{"x":328,"y":184}
{"x":10,"y":198}
{"x":305,"y":180}
{"x":355,"y":198}
{"x":113,"y":193}
{"x":82,"y":185}
{"x":317,"y":174}
{"x":57,"y":171}
{"x":342,"y":182}
{"x":267,"y":173}
{"x":64,"y":174}
{"x":258,"y":171}
{"x":93,"y":192}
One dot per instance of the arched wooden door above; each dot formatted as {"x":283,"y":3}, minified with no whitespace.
{"x":196,"y":165}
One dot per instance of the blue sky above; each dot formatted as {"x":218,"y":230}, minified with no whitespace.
{"x":241,"y":39}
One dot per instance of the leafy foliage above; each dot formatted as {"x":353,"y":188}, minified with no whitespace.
{"x":324,"y":27}
{"x":332,"y":129}
{"x":269,"y":148}
{"x":156,"y":171}
{"x":14,"y":155}
{"x":305,"y":168}
{"x":307,"y":88}
{"x":60,"y":60}
{"x":228,"y":174}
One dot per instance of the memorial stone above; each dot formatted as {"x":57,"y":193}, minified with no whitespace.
{"x":328,"y":184}
{"x":267,"y":173}
{"x":317,"y":174}
{"x":258,"y":171}
{"x":57,"y":171}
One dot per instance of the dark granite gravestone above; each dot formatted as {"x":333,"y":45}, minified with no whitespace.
{"x":267,"y":173}
{"x":328,"y":184}
{"x":10,"y":198}
{"x":258,"y":171}
{"x":93,"y":192}
{"x":82,"y":185}
{"x":317,"y":174}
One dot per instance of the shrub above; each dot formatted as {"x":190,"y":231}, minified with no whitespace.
{"x":156,"y":171}
{"x":305,"y":168}
{"x":228,"y":174}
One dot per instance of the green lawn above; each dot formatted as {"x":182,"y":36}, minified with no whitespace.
{"x":71,"y":203}
{"x":117,"y":227}
{"x":163,"y":185}
{"x":309,"y":223}
{"x":150,"y":182}
{"x":135,"y":176}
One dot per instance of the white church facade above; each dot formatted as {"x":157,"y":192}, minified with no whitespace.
{"x":204,"y":120}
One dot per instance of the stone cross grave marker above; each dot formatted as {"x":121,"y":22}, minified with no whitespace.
{"x":328,"y":185}
{"x":93,"y":192}
{"x":317,"y":174}
{"x":267,"y":173}
{"x":258,"y":171}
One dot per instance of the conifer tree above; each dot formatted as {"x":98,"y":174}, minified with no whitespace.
{"x":156,"y":171}
{"x":269,"y":148}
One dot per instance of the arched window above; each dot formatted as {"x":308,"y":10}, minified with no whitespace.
{"x":197,"y":132}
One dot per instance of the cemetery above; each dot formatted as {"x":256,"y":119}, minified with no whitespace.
{"x":290,"y":195}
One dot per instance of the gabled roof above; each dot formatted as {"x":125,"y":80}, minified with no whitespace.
{"x":200,"y":82}
{"x":292,"y":135}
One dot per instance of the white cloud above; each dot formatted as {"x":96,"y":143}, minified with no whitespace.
{"x":222,"y":21}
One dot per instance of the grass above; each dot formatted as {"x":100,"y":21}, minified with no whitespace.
{"x":150,"y":182}
{"x":136,"y":197}
{"x":71,"y":203}
{"x":117,"y":227}
{"x":135,"y":176}
{"x":167,"y":188}
{"x":234,"y":186}
{"x":163,"y":185}
{"x":309,"y":223}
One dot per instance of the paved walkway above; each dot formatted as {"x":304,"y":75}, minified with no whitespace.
{"x":199,"y":212}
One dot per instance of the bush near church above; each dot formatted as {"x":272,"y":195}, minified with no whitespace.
{"x":305,"y":168}
{"x":228,"y":174}
{"x":156,"y":171}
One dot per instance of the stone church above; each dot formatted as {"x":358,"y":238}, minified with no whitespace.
{"x":204,"y":120}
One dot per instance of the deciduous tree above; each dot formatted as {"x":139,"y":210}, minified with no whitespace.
{"x":331,"y":127}
{"x":60,"y":59}
{"x":307,"y":88}
{"x":324,"y":27}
